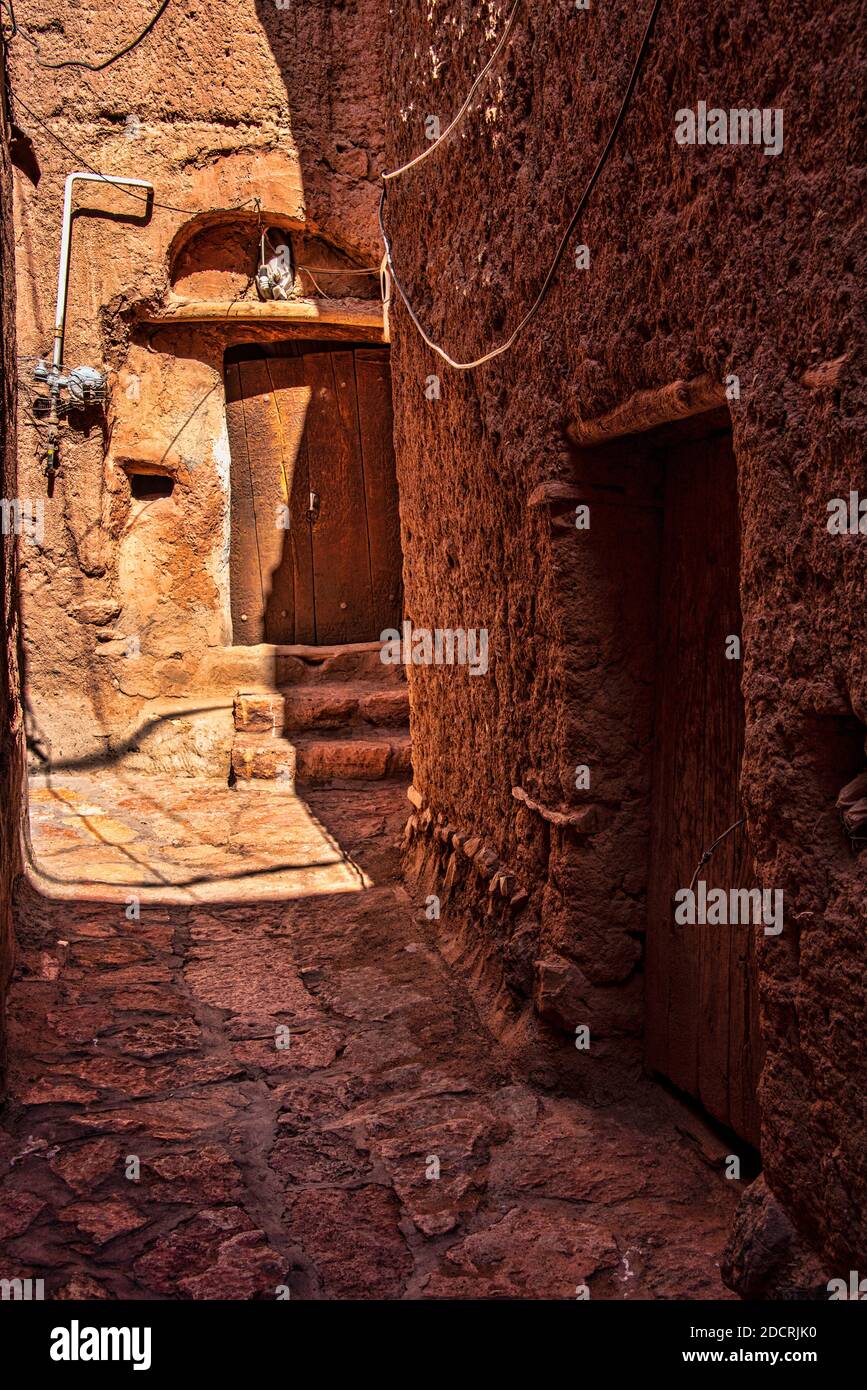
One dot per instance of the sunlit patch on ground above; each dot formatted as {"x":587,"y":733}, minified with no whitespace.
{"x":103,"y":835}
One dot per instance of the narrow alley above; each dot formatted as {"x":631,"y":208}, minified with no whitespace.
{"x":433,"y":703}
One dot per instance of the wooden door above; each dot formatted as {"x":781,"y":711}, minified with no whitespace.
{"x":702,"y":1014}
{"x":310,"y":441}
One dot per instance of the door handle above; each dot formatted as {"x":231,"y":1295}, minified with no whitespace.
{"x":313,"y":509}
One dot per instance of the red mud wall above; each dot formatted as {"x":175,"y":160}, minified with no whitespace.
{"x":11,"y":744}
{"x":702,"y":259}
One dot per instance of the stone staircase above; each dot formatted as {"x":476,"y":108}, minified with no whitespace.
{"x":344,"y":718}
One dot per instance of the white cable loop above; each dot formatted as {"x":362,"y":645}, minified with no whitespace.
{"x":395,"y":173}
{"x":573,"y":221}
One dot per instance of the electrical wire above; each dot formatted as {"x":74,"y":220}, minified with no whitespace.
{"x":310,"y":270}
{"x":137,"y":197}
{"x":708,"y":853}
{"x":337,"y":270}
{"x":316,"y":286}
{"x":317,"y":269}
{"x":143,"y":198}
{"x":573,"y":222}
{"x":395,"y":173}
{"x":106,"y":62}
{"x":170,"y":207}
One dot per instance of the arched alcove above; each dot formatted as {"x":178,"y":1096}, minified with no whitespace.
{"x":215,"y":256}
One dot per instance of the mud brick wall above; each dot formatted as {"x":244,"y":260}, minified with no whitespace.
{"x":11,"y":725}
{"x":216,"y":107}
{"x":719,"y":260}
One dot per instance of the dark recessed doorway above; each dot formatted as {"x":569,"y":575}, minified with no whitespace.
{"x":702,"y":1009}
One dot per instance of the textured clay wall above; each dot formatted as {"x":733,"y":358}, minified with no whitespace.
{"x":125,"y":604}
{"x":11,"y":725}
{"x":721,"y":260}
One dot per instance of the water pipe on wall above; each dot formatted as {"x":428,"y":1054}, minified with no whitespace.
{"x":54,"y":377}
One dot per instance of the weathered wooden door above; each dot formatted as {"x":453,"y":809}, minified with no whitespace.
{"x":702,"y":1015}
{"x":314,"y":535}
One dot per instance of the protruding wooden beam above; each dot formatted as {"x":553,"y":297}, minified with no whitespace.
{"x":825,"y":374}
{"x":583,"y":819}
{"x":554,"y":493}
{"x":557,"y":496}
{"x":648,"y":409}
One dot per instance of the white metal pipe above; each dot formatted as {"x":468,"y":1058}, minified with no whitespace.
{"x":65,"y":236}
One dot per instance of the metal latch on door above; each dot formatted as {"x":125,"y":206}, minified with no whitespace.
{"x":313,"y":509}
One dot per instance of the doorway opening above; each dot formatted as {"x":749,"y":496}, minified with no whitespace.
{"x":314,"y":533}
{"x":315,"y":564}
{"x":701,"y":1030}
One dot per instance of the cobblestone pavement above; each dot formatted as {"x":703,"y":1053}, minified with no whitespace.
{"x":231,"y":1099}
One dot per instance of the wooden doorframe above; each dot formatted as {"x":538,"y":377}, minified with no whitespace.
{"x":639,"y":429}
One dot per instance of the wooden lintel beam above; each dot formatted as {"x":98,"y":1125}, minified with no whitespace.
{"x":648,"y":409}
{"x":365,"y":314}
{"x":824,"y":375}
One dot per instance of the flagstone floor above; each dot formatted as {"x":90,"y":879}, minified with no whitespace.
{"x":265,"y":1079}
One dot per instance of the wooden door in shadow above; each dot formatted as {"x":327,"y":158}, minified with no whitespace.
{"x":702,"y":1013}
{"x":314,"y":534}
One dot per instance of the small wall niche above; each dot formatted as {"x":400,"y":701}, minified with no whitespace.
{"x":149,"y":487}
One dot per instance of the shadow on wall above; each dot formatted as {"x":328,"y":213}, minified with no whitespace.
{"x":106,"y":757}
{"x":324,"y":55}
{"x":328,"y":56}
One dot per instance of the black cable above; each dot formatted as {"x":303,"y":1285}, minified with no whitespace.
{"x":138,"y":197}
{"x":573,"y":221}
{"x":707,"y":854}
{"x":107,"y":62}
{"x":170,"y":207}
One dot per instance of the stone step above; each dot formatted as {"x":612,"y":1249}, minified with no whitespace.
{"x":359,"y":756}
{"x":324,"y":706}
{"x":264,"y":666}
{"x":360,"y":661}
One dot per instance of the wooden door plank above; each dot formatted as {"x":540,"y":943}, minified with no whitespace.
{"x":672,"y":950}
{"x":745,"y":1050}
{"x":716,"y":743}
{"x":701,"y":1014}
{"x":341,"y":559}
{"x":274,"y":620}
{"x":292,"y":398}
{"x":380,"y":484}
{"x":245,"y":595}
{"x":742,"y":1057}
{"x":752,"y":1050}
{"x":730,"y":1049}
{"x":327,"y":417}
